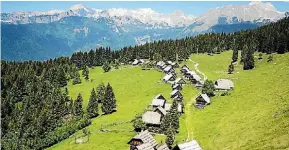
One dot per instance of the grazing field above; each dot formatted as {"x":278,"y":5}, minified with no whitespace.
{"x":255,"y":115}
{"x":134,"y":90}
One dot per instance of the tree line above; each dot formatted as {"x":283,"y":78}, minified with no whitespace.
{"x":36,"y":111}
{"x":268,"y":39}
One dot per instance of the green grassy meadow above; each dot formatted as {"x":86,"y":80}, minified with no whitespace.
{"x":242,"y":120}
{"x":134,"y":90}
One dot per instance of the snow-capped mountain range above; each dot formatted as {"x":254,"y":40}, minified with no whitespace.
{"x":82,"y":28}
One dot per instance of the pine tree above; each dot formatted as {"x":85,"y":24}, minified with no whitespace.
{"x":235,"y":55}
{"x":85,"y":73}
{"x":248,"y":58}
{"x":106,"y":67}
{"x":231,"y":68}
{"x":109,"y":103}
{"x":76,"y":79}
{"x":100,"y":92}
{"x":174,"y":116}
{"x":170,"y":137}
{"x":138,"y":123}
{"x":61,"y":77}
{"x":78,"y":111}
{"x":116,"y":64}
{"x":92,"y":107}
{"x":209,"y":88}
{"x":235,"y":52}
{"x":165,"y":123}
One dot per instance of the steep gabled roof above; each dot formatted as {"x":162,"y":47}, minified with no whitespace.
{"x":162,"y":110}
{"x":158,"y":102}
{"x":160,"y":96}
{"x":167,"y":77}
{"x":192,"y":145}
{"x":206,"y":98}
{"x":145,"y":137}
{"x":176,"y":85}
{"x":163,"y":147}
{"x":151,"y":117}
{"x":185,"y":66}
{"x":135,"y":62}
{"x":179,"y":80}
{"x":191,"y":72}
{"x":196,"y":77}
{"x":160,"y":63}
{"x":145,"y":146}
{"x":224,"y":84}
{"x":168,"y":68}
{"x":169,"y":62}
{"x":174,"y":92}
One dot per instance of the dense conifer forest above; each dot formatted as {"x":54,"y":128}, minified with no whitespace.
{"x":36,"y":111}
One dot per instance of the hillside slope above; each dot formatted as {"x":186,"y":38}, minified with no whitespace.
{"x":255,"y":115}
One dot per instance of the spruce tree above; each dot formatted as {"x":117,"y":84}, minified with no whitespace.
{"x":165,"y":123}
{"x":248,"y":58}
{"x":76,"y":79}
{"x":209,"y":88}
{"x":110,"y":101}
{"x":174,"y":116}
{"x":61,"y":77}
{"x":138,"y":123}
{"x":106,"y":67}
{"x":92,"y":107}
{"x":100,"y":92}
{"x":235,"y":55}
{"x":85,"y":73}
{"x":170,"y":137}
{"x":116,"y":64}
{"x":231,"y":68}
{"x":78,"y":111}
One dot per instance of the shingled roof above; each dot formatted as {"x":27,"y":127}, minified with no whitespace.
{"x":163,"y":147}
{"x":158,"y":102}
{"x":167,"y":77}
{"x":168,"y":68}
{"x":151,"y":117}
{"x":180,"y":81}
{"x":160,"y":96}
{"x":145,"y":146}
{"x":145,"y":137}
{"x":161,"y":109}
{"x":224,"y":84}
{"x":196,"y":77}
{"x":192,"y":145}
{"x":206,"y":98}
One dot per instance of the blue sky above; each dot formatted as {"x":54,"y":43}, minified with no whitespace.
{"x":189,"y":7}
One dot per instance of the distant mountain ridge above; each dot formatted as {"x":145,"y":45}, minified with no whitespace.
{"x":58,"y":32}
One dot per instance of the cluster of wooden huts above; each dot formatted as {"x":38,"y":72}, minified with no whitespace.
{"x":138,"y":62}
{"x":145,"y":141}
{"x":159,"y":108}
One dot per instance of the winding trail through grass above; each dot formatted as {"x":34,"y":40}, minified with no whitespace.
{"x":188,"y":106}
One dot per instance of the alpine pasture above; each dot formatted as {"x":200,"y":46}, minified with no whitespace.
{"x":253,"y":116}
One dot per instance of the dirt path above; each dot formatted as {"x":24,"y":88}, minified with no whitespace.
{"x":189,"y":107}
